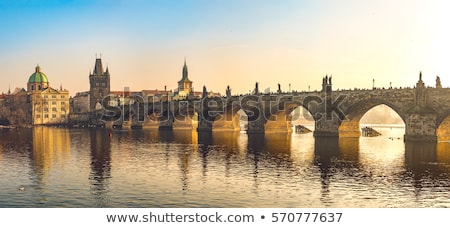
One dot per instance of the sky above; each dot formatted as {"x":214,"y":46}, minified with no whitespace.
{"x":233,"y":42}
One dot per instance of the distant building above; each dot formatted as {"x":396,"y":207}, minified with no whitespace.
{"x":38,"y":105}
{"x":185,"y":89}
{"x":49,"y":106}
{"x":81,"y":102}
{"x":119,"y":98}
{"x":156,"y":95}
{"x":99,"y":82}
{"x":198,"y":94}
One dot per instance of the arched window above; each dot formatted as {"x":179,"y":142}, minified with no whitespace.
{"x":39,"y":87}
{"x":32,"y":87}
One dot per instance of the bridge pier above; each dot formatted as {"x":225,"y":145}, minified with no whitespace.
{"x":327,"y":128}
{"x":184,"y":122}
{"x":151,"y":122}
{"x":204,"y":125}
{"x":226,"y":123}
{"x":165,"y":122}
{"x":256,"y":126}
{"x":421,"y":127}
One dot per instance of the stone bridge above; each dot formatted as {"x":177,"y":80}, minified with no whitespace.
{"x":424,"y":110}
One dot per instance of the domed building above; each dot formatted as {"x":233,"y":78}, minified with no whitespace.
{"x":39,"y":104}
{"x":48,"y":105}
{"x":37,"y":81}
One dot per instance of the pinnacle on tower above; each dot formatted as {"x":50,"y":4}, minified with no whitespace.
{"x":98,"y":69}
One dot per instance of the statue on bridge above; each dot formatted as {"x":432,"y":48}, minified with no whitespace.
{"x":438,"y":82}
{"x":228,"y":91}
{"x":256,"y":89}
{"x":279,"y":88}
{"x":326,"y":80}
{"x":205,"y":92}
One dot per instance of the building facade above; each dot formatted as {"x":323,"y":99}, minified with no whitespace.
{"x":81,"y":102}
{"x":50,"y":106}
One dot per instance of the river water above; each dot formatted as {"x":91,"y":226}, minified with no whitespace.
{"x":59,"y":167}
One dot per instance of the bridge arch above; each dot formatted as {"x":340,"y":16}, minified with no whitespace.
{"x":185,"y":117}
{"x":229,"y":119}
{"x":443,"y":126}
{"x":280,"y":119}
{"x":350,"y":126}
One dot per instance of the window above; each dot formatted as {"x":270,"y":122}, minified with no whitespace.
{"x":53,"y":102}
{"x":53,"y":115}
{"x":62,"y":102}
{"x":46,"y":116}
{"x":38,"y":116}
{"x":45,"y":96}
{"x":53,"y":109}
{"x":45,"y":109}
{"x":32,"y":87}
{"x":62,"y":96}
{"x":53,"y":96}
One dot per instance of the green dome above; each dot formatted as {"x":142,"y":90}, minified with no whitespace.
{"x":38,"y":76}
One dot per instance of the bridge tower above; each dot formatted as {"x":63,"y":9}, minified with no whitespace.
{"x":327,"y":123}
{"x":421,"y":119}
{"x":99,"y":82}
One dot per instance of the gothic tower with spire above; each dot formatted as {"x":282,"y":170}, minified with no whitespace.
{"x":99,"y":82}
{"x":185,"y":85}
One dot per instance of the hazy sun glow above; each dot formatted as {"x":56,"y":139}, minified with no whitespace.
{"x":234,"y":43}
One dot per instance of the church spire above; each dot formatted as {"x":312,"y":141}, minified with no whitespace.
{"x":185,"y":71}
{"x":184,"y":77}
{"x":98,"y":69}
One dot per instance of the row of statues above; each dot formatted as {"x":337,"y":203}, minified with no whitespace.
{"x":325,"y":80}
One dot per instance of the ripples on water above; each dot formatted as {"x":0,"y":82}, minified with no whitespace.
{"x":148,"y":168}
